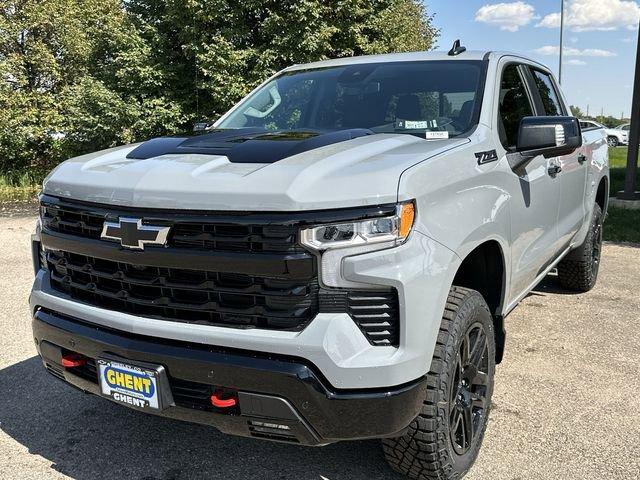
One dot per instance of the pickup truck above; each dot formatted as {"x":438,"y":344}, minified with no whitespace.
{"x":333,"y":259}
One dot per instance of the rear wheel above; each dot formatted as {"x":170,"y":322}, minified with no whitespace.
{"x":579,"y":271}
{"x":444,"y":441}
{"x":613,"y":141}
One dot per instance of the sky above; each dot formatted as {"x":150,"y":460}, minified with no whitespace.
{"x":599,"y":50}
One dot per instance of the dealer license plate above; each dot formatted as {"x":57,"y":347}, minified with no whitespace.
{"x":129,"y":384}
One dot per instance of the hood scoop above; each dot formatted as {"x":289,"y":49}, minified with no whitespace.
{"x":246,"y":145}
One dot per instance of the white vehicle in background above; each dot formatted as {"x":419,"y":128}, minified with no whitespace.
{"x":626,"y":128}
{"x":615,"y":136}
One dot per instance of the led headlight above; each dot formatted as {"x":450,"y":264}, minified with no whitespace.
{"x":395,"y":228}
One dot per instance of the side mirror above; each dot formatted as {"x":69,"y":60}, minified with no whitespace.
{"x":548,"y":136}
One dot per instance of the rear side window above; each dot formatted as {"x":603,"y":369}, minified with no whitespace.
{"x":548,"y":94}
{"x":514,"y":105}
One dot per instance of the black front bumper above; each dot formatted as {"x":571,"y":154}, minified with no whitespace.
{"x":280,"y":398}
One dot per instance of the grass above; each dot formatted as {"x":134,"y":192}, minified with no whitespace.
{"x":622,"y":225}
{"x":618,"y":164}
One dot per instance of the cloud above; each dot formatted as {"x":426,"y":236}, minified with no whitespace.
{"x":550,"y":21}
{"x":576,"y":62}
{"x":574,"y":52}
{"x":507,"y":16}
{"x":586,"y":15}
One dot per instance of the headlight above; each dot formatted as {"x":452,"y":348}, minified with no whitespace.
{"x":395,"y":228}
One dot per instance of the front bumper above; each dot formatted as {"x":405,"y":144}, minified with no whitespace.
{"x":281,"y":398}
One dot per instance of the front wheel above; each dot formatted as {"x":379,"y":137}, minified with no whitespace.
{"x":613,"y":141}
{"x":444,"y":441}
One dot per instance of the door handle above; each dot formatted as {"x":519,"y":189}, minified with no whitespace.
{"x":582,"y":158}
{"x":554,"y":170}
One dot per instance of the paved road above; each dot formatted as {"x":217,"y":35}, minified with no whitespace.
{"x":566,"y":401}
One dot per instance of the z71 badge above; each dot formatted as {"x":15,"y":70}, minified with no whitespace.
{"x":487,"y":157}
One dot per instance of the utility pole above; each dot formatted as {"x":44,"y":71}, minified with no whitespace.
{"x":561,"y":41}
{"x":629,"y":192}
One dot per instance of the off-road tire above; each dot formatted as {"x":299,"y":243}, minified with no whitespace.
{"x":579,"y":270}
{"x":426,"y":450}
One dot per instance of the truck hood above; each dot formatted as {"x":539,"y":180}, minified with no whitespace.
{"x":356,"y":172}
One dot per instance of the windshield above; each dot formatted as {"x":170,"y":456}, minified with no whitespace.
{"x":400,"y":97}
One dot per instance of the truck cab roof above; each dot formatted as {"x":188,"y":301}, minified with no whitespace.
{"x":406,"y":57}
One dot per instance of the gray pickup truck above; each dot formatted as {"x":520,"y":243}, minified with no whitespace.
{"x":333,"y":259}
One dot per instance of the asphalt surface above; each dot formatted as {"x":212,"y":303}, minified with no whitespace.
{"x":566,"y":403}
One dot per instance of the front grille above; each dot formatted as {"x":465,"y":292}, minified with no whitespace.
{"x":191,"y":296}
{"x":198,"y":232}
{"x":275,"y":286}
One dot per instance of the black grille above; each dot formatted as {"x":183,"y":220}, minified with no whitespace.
{"x":276,"y":287}
{"x":377,"y":315}
{"x":202,"y":233}
{"x":376,"y":312}
{"x":190,"y":296}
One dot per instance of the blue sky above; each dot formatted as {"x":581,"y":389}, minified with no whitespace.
{"x":600,"y":41}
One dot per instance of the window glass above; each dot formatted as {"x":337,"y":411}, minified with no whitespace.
{"x":514,"y":106}
{"x":626,"y":128}
{"x":550,"y":101}
{"x":402,"y":97}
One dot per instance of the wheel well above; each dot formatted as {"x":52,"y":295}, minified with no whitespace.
{"x":483,"y":270}
{"x":601,"y":195}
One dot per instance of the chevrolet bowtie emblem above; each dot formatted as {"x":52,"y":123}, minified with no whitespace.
{"x":131,"y":233}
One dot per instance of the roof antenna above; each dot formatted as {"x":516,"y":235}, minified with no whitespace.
{"x":457,"y":49}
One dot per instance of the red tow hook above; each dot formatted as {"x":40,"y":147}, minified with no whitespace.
{"x":72,"y":360}
{"x":218,"y":402}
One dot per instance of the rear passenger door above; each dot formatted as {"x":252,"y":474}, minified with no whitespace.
{"x":534,"y":194}
{"x":572,"y":179}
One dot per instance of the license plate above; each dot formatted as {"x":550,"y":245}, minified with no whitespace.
{"x":129,"y":384}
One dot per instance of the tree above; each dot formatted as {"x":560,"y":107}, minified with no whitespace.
{"x":82,"y":75}
{"x":576,"y":111}
{"x":215,"y":52}
{"x":75,"y":77}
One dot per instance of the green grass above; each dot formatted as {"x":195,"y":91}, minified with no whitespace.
{"x":618,"y":164}
{"x":622,"y":225}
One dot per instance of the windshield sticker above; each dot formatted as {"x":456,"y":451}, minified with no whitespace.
{"x":437,"y":135}
{"x":414,"y":124}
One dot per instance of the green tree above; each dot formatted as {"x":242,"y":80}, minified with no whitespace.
{"x":81,"y":75}
{"x":576,"y":111}
{"x":215,"y":52}
{"x":75,"y":77}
